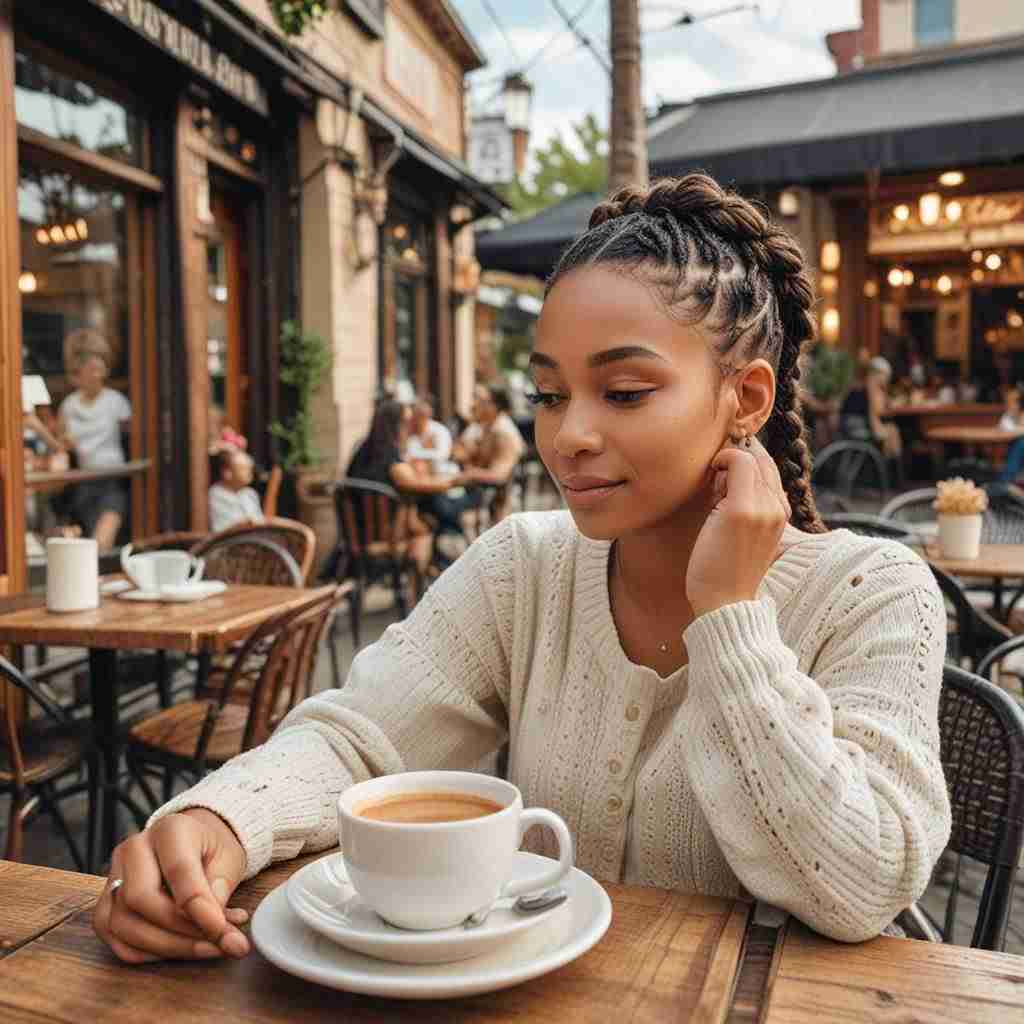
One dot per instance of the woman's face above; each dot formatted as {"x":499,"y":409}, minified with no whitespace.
{"x":92,"y":374}
{"x":626,"y":420}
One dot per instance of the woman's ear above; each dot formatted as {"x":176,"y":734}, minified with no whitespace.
{"x":755,"y":394}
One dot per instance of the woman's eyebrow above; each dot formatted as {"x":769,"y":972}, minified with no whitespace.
{"x":609,"y":355}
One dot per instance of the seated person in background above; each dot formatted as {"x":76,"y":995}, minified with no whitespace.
{"x":232,"y":500}
{"x":428,"y":442}
{"x":221,"y":436}
{"x":861,"y":414}
{"x":379,"y":459}
{"x":91,"y":420}
{"x":490,"y":446}
{"x":1013,"y":419}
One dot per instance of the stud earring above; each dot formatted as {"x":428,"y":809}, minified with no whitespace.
{"x":746,"y":441}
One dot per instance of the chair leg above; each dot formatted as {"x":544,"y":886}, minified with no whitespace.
{"x":332,"y":649}
{"x":163,"y":679}
{"x":16,"y":826}
{"x":355,"y":610}
{"x":92,"y":832}
{"x":399,"y":589}
{"x":52,"y":806}
{"x":996,"y":900}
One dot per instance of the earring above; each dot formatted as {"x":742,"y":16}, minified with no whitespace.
{"x":746,"y":441}
{"x":738,"y":438}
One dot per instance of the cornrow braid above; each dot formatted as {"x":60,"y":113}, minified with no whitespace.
{"x":715,"y":257}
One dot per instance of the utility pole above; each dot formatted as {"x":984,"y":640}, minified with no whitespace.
{"x":627,"y":164}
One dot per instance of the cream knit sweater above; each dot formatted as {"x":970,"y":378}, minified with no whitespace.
{"x":795,"y":756}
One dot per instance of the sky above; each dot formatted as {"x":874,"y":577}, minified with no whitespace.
{"x":783,"y":41}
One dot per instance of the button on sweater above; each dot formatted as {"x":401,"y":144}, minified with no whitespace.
{"x":795,"y":757}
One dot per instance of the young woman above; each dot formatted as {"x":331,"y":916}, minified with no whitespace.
{"x":714,"y":700}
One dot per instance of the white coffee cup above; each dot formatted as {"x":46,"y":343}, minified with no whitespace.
{"x":155,"y":569}
{"x":72,"y":574}
{"x":434,"y":875}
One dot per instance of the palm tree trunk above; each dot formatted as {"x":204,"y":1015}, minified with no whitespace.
{"x":628,"y":163}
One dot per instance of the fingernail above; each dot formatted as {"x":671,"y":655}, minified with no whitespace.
{"x":206,"y":950}
{"x":221,"y":890}
{"x":237,"y":915}
{"x":234,"y":944}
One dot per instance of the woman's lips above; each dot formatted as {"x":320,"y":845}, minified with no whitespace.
{"x":586,"y":493}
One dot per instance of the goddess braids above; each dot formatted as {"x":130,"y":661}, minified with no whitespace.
{"x":716,"y":259}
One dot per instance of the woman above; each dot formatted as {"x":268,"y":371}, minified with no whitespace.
{"x":92,"y":419}
{"x":714,"y":700}
{"x":379,"y":458}
{"x":862,"y":413}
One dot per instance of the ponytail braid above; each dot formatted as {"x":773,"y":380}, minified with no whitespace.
{"x":716,"y":258}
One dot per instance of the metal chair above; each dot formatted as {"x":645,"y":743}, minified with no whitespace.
{"x":912,"y":506}
{"x":372,"y":548}
{"x":981,"y":731}
{"x":297,"y":539}
{"x":868,"y":526}
{"x":976,"y":633}
{"x":194,"y":736}
{"x":991,"y":666}
{"x":36,"y":755}
{"x":847,"y":464}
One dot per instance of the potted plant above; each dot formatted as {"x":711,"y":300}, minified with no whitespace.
{"x":960,"y":504}
{"x":305,"y":360}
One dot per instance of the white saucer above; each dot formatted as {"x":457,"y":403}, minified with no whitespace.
{"x":178,"y":594}
{"x":567,"y":933}
{"x":116,"y":586}
{"x":322,"y":895}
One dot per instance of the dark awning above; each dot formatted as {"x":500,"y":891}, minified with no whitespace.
{"x":957,"y":110}
{"x":533,"y":246}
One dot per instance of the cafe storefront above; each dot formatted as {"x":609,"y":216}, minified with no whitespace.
{"x":177,"y":187}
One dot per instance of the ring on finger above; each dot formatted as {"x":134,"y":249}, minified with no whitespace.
{"x":115,"y":884}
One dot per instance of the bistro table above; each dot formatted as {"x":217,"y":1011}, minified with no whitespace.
{"x":203,"y":628}
{"x":997,"y":562}
{"x":665,"y":957}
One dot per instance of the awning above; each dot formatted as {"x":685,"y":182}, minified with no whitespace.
{"x":532,"y":246}
{"x":957,"y":110}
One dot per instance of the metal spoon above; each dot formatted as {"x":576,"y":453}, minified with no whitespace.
{"x":529,"y":904}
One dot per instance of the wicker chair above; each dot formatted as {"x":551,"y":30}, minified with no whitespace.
{"x":991,"y":667}
{"x":37,"y":754}
{"x":981,"y":732}
{"x":868,"y":526}
{"x":297,"y":539}
{"x":843,"y":466}
{"x":372,"y":548}
{"x":181,"y":540}
{"x":238,"y":556}
{"x":973,"y":633}
{"x":194,"y":736}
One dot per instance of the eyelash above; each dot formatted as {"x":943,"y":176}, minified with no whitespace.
{"x":549,"y":399}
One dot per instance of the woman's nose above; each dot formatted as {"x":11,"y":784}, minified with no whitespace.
{"x":577,"y":433}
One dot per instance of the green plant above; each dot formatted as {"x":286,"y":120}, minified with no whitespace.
{"x":830,"y":372}
{"x":305,"y":358}
{"x":294,"y":15}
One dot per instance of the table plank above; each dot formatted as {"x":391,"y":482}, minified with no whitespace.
{"x":33,"y":899}
{"x":211,"y":625}
{"x":996,"y":561}
{"x":665,"y":957}
{"x":892,"y":979}
{"x":973,"y":434}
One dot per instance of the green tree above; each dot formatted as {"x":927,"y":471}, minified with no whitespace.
{"x":564,"y":171}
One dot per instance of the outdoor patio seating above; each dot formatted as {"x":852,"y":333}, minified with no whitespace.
{"x":36,"y":754}
{"x":229,"y":558}
{"x":981,"y":732}
{"x":849,"y":466}
{"x":972,"y":632}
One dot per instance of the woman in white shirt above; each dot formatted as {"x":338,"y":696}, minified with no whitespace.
{"x":714,"y":693}
{"x":91,"y":421}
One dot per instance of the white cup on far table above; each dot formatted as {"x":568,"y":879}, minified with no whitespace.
{"x":155,"y":569}
{"x":72,"y":574}
{"x":426,"y":875}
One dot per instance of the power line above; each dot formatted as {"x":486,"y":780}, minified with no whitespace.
{"x":501,"y":28}
{"x":581,"y":36}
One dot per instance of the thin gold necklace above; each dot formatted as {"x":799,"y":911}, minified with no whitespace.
{"x":664,"y":645}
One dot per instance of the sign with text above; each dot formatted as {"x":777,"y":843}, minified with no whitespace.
{"x":171,"y":36}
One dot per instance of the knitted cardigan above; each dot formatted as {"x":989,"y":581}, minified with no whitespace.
{"x":795,"y":756}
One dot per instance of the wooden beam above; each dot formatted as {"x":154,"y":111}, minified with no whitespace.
{"x":12,"y":465}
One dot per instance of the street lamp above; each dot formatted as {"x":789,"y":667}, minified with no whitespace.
{"x":517,"y":100}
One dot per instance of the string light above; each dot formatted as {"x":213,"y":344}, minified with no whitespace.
{"x":993,"y":261}
{"x":944,"y":284}
{"x":951,"y":178}
{"x":902,"y":212}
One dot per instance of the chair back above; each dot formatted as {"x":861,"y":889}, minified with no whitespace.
{"x":991,"y":666}
{"x":297,"y":539}
{"x":868,"y":526}
{"x":288,"y":646}
{"x":976,"y":632}
{"x":982,"y":747}
{"x":846,"y":465}
{"x":12,"y":679}
{"x":181,"y":540}
{"x":911,"y":506}
{"x":270,"y":495}
{"x":371,"y":519}
{"x":244,"y":558}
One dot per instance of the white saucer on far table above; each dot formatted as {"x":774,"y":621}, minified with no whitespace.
{"x":564,"y":933}
{"x":181,"y":594}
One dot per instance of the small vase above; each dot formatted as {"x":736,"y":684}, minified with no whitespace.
{"x":960,"y":536}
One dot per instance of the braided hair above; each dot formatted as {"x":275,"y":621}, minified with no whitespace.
{"x":716,"y":259}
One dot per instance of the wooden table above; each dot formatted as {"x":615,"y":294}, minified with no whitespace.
{"x":203,"y":628}
{"x":64,"y":477}
{"x":666,"y":957}
{"x":997,"y":562}
{"x":973,"y":434}
{"x":946,"y":414}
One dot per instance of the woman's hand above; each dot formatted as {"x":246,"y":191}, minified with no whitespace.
{"x":177,"y":879}
{"x":740,"y":538}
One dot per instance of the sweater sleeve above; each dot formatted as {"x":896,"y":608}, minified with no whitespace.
{"x":825,"y":792}
{"x":431,"y":693}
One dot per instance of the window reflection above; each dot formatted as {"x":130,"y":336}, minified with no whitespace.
{"x":63,"y":107}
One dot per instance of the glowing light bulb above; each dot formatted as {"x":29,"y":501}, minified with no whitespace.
{"x":895,"y":277}
{"x":993,"y":261}
{"x":944,"y":284}
{"x":951,"y":178}
{"x":902,"y":212}
{"x":954,"y":211}
{"x":929,"y":208}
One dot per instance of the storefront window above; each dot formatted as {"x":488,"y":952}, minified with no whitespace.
{"x":63,"y":107}
{"x":933,"y":22}
{"x":76,"y":323}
